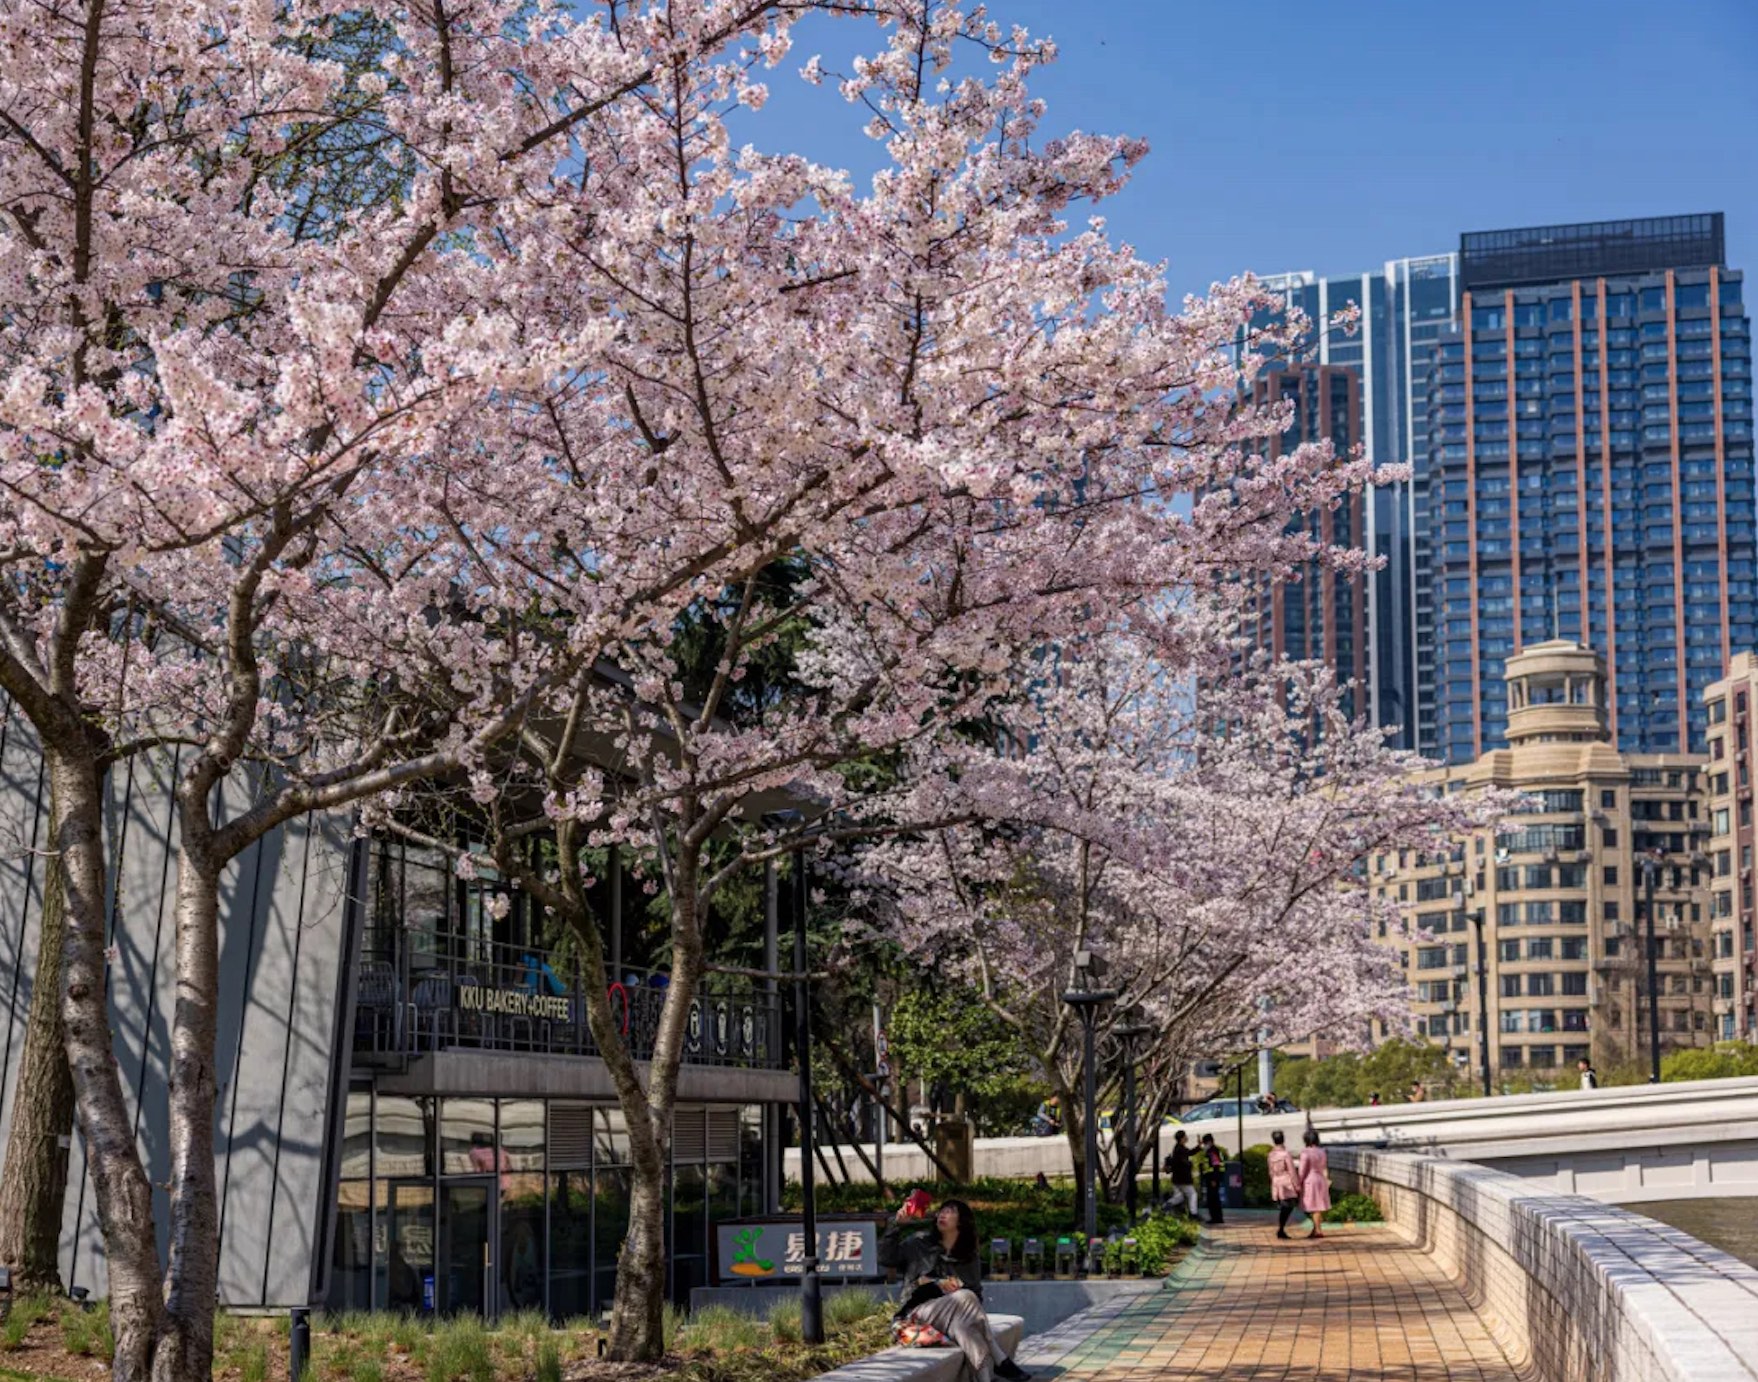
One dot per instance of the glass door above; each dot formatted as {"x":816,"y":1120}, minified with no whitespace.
{"x":466,"y":1246}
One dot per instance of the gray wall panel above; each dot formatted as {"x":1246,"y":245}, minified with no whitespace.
{"x":22,"y":823}
{"x":280,"y":938}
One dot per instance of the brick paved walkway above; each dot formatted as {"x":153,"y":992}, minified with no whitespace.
{"x":1359,"y":1303}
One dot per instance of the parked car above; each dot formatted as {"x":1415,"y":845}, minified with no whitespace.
{"x":1229,"y":1108}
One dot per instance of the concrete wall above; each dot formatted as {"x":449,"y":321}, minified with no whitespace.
{"x":281,"y":947}
{"x":1573,"y":1289}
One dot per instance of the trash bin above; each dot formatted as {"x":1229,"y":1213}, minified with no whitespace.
{"x":955,"y":1146}
{"x":1233,"y":1185}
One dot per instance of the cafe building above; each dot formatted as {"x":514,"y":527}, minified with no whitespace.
{"x":412,"y":1113}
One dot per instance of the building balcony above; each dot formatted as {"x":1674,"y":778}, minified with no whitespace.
{"x":453,"y":993}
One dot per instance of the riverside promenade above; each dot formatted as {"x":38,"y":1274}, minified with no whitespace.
{"x":1359,"y":1303}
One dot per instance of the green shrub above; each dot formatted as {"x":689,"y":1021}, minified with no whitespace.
{"x":373,"y":1370}
{"x":1360,"y":1209}
{"x":1256,"y":1162}
{"x":1159,"y":1238}
{"x":721,"y":1329}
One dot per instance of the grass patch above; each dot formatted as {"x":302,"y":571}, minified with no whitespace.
{"x":853,"y":1305}
{"x":458,"y":1351}
{"x":721,"y":1329}
{"x":549,"y":1360}
{"x":26,"y":1311}
{"x":88,"y":1332}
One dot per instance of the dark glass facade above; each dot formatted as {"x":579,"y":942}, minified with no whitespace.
{"x":1588,"y":475}
{"x":1402,"y":307}
{"x":490,"y":1206}
{"x":1320,"y":617}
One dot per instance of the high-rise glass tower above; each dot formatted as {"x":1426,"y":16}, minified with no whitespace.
{"x":1588,"y":476}
{"x":1404,"y":306}
{"x":1319,"y":616}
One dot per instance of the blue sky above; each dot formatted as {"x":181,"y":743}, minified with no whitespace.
{"x":1336,"y":136}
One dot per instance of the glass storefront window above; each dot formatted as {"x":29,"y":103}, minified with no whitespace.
{"x":407,"y":1236}
{"x":751,"y":1160}
{"x":522,"y":1254}
{"x":570,"y":1245}
{"x":610,"y":1224}
{"x":353,"y":1259}
{"x":467,"y":1137}
{"x":403,"y":1137}
{"x":357,"y":1135}
{"x":689,"y":1232}
{"x":612,"y":1138}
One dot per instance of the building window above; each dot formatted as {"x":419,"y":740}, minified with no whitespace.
{"x":1611,"y":875}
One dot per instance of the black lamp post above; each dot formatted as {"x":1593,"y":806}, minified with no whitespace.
{"x":1650,"y":864}
{"x":1482,"y":1001}
{"x":1084,"y":995}
{"x":811,"y":1296}
{"x":1129,"y":1032}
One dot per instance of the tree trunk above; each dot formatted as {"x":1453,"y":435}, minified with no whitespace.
{"x":186,"y":1347}
{"x":33,"y":1180}
{"x":119,"y":1181}
{"x":637,"y":1315}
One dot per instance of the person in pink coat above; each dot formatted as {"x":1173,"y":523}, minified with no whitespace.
{"x":1284,"y":1184}
{"x":1314,"y":1175}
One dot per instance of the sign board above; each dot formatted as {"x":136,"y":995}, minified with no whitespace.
{"x":513,"y":1002}
{"x":775,"y":1249}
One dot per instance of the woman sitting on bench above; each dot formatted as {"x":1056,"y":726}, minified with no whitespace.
{"x":943,"y":1287}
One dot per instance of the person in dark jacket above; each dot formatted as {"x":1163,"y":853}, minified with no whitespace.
{"x":1183,"y":1175}
{"x":1214,"y":1167}
{"x":943,"y":1285}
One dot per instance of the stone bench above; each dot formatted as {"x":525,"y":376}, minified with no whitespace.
{"x":924,"y":1364}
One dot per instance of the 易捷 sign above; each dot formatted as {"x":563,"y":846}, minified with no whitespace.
{"x":773,"y":1250}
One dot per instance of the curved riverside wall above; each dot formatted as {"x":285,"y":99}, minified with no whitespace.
{"x":1572,"y":1288}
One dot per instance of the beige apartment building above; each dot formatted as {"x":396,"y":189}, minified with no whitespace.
{"x":1731,"y":702}
{"x":1548,"y":906}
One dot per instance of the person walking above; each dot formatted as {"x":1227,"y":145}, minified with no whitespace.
{"x":1373,"y":1100}
{"x":1214,"y":1167}
{"x":1417,"y":1092}
{"x":1183,"y":1178}
{"x":1589,"y":1076}
{"x":1314,"y":1175}
{"x":1284,"y":1185}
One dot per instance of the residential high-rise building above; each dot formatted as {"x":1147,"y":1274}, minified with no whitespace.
{"x":1320,"y":616}
{"x":1558,"y":888}
{"x":1588,"y":476}
{"x":1403,"y":307}
{"x":1732,"y":712}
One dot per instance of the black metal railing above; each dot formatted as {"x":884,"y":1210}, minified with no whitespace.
{"x":416,"y":994}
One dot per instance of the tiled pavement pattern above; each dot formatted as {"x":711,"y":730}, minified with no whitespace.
{"x":1359,"y":1303}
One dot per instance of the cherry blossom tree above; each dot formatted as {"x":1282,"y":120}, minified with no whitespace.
{"x":951,"y":425}
{"x":273,"y":273}
{"x":1206,"y":833}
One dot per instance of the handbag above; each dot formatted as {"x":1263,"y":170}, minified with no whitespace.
{"x":908,"y":1333}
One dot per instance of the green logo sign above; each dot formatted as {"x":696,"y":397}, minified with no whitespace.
{"x":745,"y":1261}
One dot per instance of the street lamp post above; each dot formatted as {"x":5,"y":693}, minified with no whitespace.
{"x":811,"y":1297}
{"x":1482,"y":1001}
{"x":1129,"y":1032}
{"x":1650,"y":863}
{"x":1084,"y":995}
